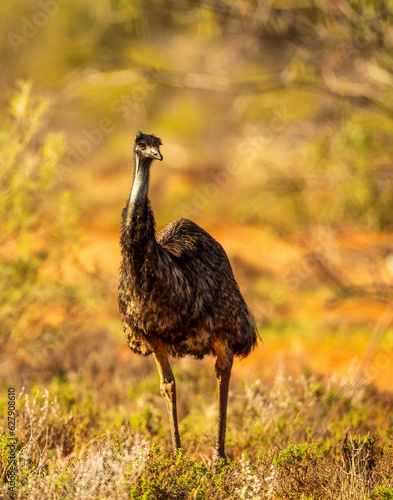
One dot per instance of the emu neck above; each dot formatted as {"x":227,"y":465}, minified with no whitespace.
{"x":141,"y":181}
{"x":138,"y":240}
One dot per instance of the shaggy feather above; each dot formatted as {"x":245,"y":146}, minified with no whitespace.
{"x":177,"y":285}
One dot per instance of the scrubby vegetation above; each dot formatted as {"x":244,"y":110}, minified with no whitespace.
{"x":294,"y":438}
{"x":38,"y":233}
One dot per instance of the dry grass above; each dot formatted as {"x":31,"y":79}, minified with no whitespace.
{"x":94,"y":433}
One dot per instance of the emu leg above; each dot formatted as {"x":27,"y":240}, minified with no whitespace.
{"x":168,"y":390}
{"x":223,"y":373}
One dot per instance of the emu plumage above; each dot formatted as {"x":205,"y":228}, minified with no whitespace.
{"x":177,"y":293}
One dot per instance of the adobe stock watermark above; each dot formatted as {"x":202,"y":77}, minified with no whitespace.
{"x":31,"y":26}
{"x":92,"y":138}
{"x":201,"y":197}
{"x":378,"y":355}
{"x":296,"y":276}
{"x":249,"y":148}
{"x":105,"y":292}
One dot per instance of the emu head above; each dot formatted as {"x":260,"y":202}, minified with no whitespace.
{"x":148,"y":146}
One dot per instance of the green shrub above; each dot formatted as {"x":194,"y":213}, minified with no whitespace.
{"x":300,"y":470}
{"x":381,"y":493}
{"x":37,"y":217}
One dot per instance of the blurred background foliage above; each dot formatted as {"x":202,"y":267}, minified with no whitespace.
{"x":275,"y":116}
{"x":223,"y":81}
{"x":38,"y":219}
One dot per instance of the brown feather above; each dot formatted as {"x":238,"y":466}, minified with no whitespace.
{"x":178,"y":286}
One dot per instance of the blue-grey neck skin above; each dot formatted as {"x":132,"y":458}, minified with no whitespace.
{"x":138,"y":231}
{"x":141,"y":181}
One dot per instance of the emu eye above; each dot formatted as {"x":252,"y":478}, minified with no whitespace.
{"x":142,"y":146}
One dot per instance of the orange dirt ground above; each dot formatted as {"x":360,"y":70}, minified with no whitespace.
{"x":339,"y":356}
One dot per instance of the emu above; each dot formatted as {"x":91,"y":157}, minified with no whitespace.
{"x":177,"y":294}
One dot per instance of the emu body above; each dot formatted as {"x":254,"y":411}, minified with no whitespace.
{"x":177,"y":293}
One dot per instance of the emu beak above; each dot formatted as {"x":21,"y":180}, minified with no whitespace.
{"x":156,"y":154}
